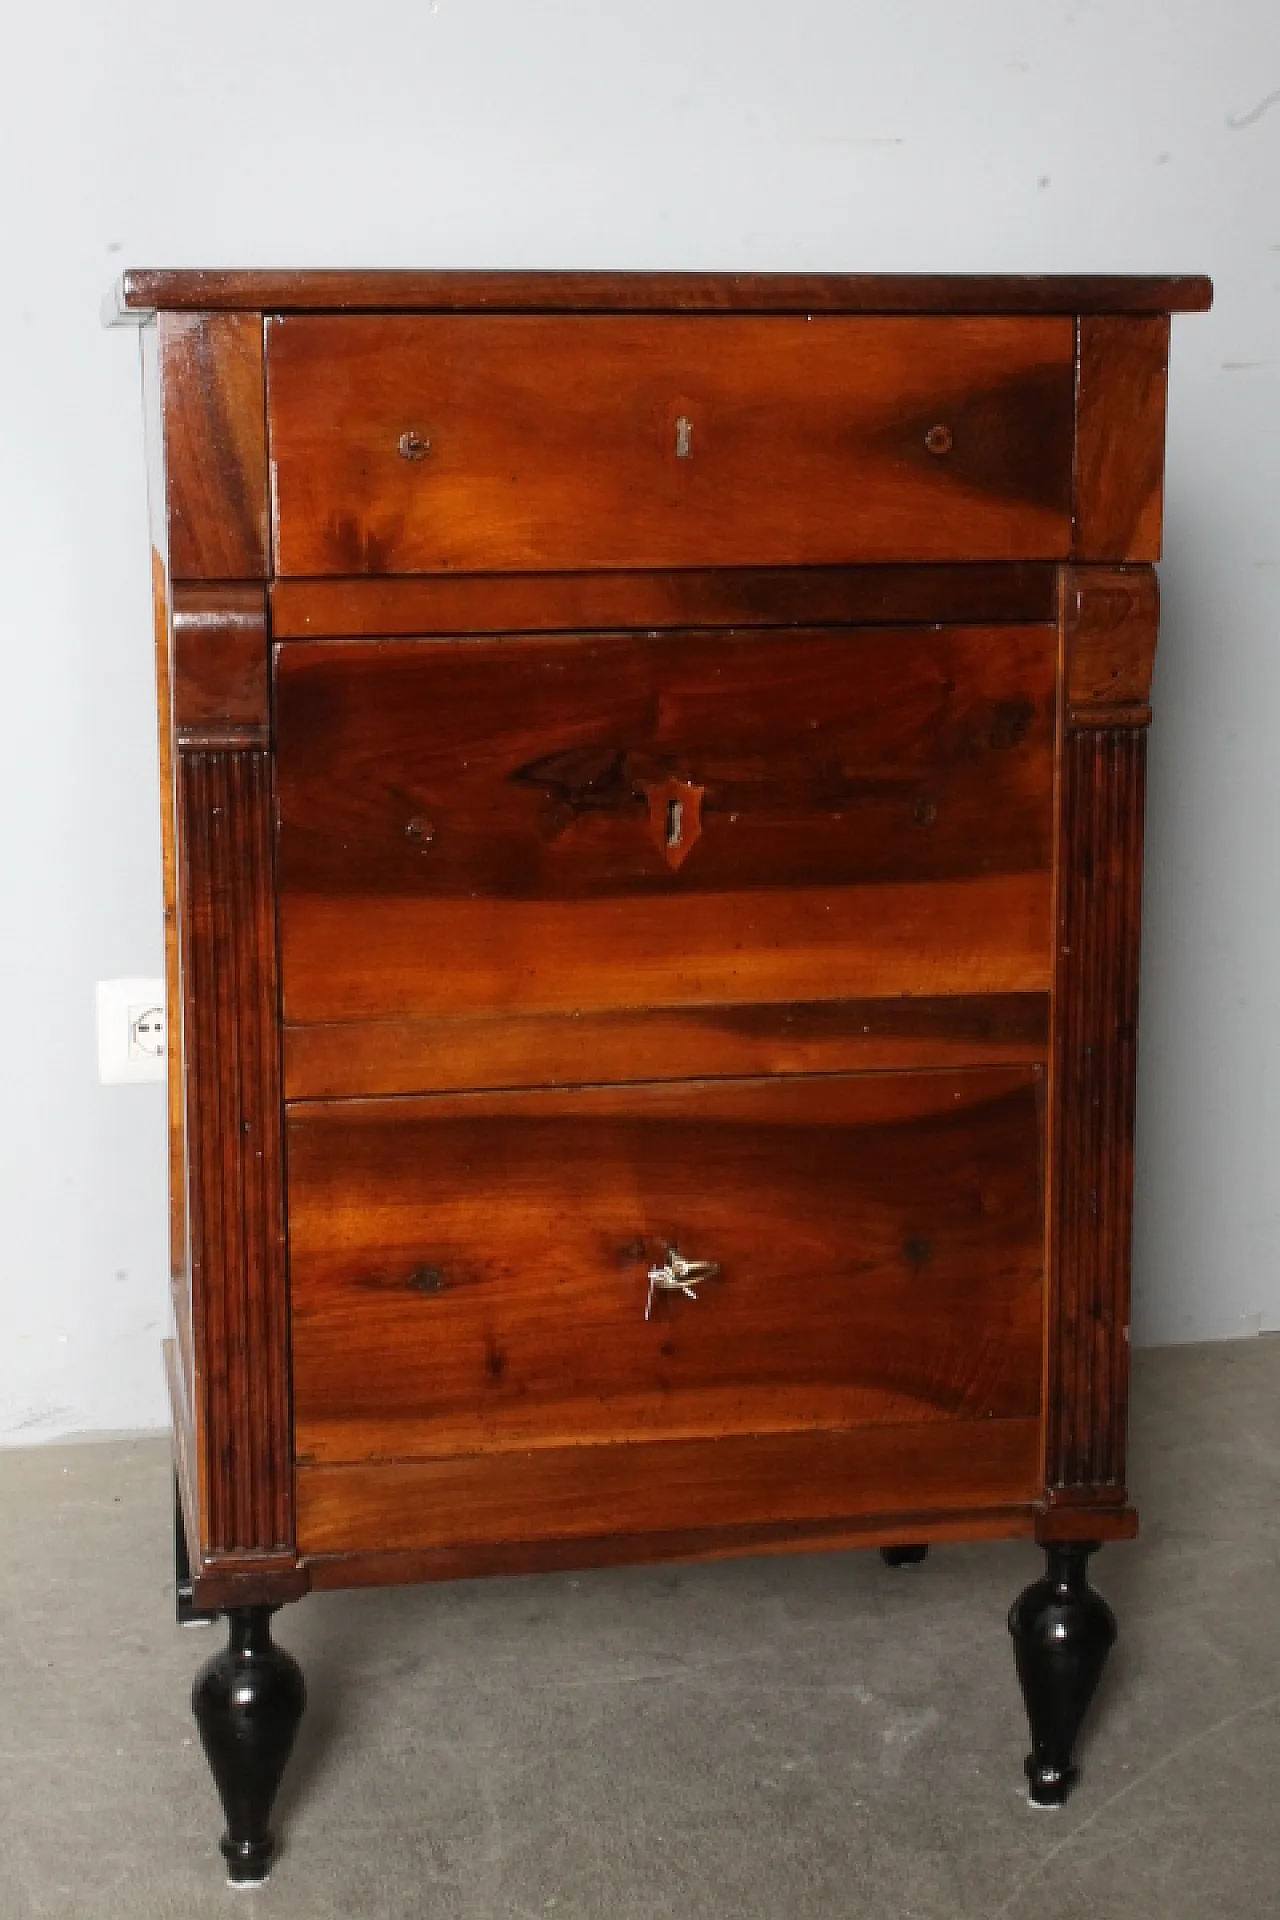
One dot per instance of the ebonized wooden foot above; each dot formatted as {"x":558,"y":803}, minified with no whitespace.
{"x":1062,"y":1633}
{"x":188,"y":1614}
{"x":903,"y":1556}
{"x":248,"y":1701}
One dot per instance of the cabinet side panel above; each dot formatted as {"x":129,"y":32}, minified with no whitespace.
{"x":234,"y":1127}
{"x":160,"y":599}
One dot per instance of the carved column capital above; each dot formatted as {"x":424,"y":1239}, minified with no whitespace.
{"x":1110,"y":617}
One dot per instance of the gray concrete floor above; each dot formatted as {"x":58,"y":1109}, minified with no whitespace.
{"x":806,"y":1737}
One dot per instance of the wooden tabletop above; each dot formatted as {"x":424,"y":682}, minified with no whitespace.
{"x":142,"y":291}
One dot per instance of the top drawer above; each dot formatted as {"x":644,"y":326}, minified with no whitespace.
{"x":421,"y":444}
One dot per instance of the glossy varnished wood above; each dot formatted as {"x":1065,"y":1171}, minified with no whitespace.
{"x":1062,"y":1632}
{"x":248,"y":1700}
{"x":220,"y":664}
{"x":1095,"y":1076}
{"x":975,"y":594}
{"x":1109,"y":623}
{"x":554,"y":443}
{"x":1120,"y":438}
{"x":351,"y":1059}
{"x":1063,"y":1517}
{"x":212,"y":386}
{"x":469,"y":1273}
{"x":552,"y":1555}
{"x":354,"y":959}
{"x":520,"y":769}
{"x":1110,"y":618}
{"x":576,"y":1492}
{"x":688,"y":731}
{"x":876,"y":817}
{"x":143,"y":290}
{"x":234,"y":1119}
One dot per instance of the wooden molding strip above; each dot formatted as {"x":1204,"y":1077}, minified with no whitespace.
{"x":234,"y":1115}
{"x":1023,"y":592}
{"x":142,"y":290}
{"x":1095,"y":1064}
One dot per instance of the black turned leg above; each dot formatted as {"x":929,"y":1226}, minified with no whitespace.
{"x":187,"y":1612}
{"x":903,"y":1556}
{"x":248,"y":1701}
{"x":1062,"y":1633}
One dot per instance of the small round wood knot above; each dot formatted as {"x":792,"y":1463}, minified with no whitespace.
{"x":428,"y":1280}
{"x":420,"y":831}
{"x":939,"y":439}
{"x":414,"y":446}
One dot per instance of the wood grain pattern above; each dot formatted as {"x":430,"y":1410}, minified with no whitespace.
{"x":870,"y":801}
{"x":1120,"y":438}
{"x":1111,"y":617}
{"x":1059,"y":1522}
{"x":742,"y":1480}
{"x":234,"y":1115}
{"x":227,"y":1579}
{"x":469,"y":1273}
{"x":1100,"y":903}
{"x":141,"y":291}
{"x":554,"y":444}
{"x":520,"y":769}
{"x":215,"y":445}
{"x":880,"y":615}
{"x":376,"y":1569}
{"x":260,"y":1580}
{"x":221,"y":690}
{"x":352,"y":959}
{"x":354,"y":1059}
{"x":1024,"y":593}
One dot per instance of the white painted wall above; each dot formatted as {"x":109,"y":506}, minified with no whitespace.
{"x":927,"y":134}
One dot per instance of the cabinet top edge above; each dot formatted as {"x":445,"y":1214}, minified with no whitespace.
{"x":143,"y":291}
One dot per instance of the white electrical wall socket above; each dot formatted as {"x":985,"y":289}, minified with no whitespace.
{"x":131,"y":1031}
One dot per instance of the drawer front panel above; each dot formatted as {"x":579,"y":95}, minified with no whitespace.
{"x":502,"y":442}
{"x":470,"y":1273}
{"x":358,"y":1059}
{"x":547,"y":824}
{"x":675,"y":1498}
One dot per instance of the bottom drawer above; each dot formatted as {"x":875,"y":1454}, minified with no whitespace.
{"x":479,"y":1353}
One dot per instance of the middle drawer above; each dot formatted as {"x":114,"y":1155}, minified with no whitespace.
{"x":470,"y":1274}
{"x":550,"y":825}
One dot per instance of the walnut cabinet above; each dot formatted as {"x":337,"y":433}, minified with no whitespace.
{"x":652,"y":808}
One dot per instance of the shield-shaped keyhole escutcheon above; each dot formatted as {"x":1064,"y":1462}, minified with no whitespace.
{"x":675,"y":818}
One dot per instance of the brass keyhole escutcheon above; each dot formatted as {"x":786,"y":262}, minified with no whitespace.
{"x":939,"y":439}
{"x":684,"y":438}
{"x":675,"y":817}
{"x":414,"y":446}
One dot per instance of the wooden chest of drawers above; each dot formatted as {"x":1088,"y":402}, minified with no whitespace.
{"x":653,"y":776}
